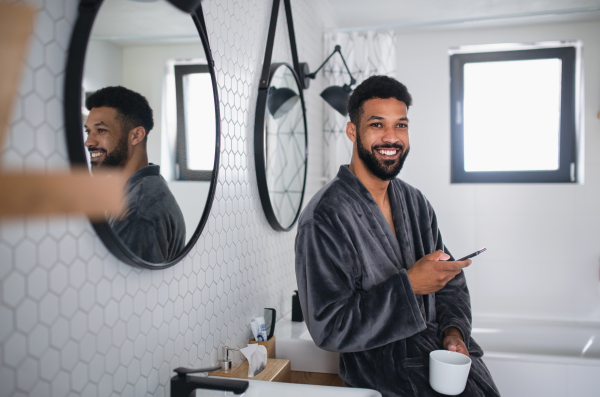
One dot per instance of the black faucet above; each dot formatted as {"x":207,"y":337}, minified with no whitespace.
{"x":183,"y":385}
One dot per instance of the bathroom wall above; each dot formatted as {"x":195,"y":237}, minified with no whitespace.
{"x":543,"y":240}
{"x":73,"y":319}
{"x":103,"y":65}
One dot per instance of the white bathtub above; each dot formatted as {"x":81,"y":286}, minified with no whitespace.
{"x":541,"y":358}
{"x":526,"y":359}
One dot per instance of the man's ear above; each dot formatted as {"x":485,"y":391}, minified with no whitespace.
{"x":137,"y":135}
{"x":351,"y":131}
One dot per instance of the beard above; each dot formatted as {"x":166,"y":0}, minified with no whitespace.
{"x":385,"y":170}
{"x":116,"y":158}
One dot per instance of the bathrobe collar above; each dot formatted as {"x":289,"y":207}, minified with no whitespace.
{"x":390,"y":242}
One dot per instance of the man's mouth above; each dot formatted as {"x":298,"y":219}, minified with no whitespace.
{"x":388,"y":153}
{"x":95,"y":155}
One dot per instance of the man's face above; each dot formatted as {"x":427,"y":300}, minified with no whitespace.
{"x":105,"y":141}
{"x":382,"y":137}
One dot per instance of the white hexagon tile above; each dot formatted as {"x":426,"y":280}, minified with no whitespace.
{"x":76,"y":321}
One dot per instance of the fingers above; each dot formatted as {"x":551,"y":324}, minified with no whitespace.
{"x":454,"y":267}
{"x":454,"y":345}
{"x":463,"y":264}
{"x":458,"y":266}
{"x":438,"y":255}
{"x":462,"y":349}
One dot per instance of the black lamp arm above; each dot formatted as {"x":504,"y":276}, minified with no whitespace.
{"x":337,"y":49}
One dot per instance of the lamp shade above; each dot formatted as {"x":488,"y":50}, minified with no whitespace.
{"x":187,"y":6}
{"x":281,"y":100}
{"x":337,"y":97}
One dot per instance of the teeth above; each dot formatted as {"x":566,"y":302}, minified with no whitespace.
{"x":388,"y":152}
{"x":95,"y":154}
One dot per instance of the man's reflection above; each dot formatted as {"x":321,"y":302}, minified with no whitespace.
{"x":117,"y":132}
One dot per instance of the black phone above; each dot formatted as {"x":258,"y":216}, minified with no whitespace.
{"x":464,"y":258}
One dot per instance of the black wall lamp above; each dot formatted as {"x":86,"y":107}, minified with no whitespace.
{"x":281,"y":100}
{"x":335,"y":95}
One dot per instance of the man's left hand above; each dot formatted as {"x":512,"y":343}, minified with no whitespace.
{"x":453,"y":341}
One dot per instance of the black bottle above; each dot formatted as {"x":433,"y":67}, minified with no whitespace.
{"x":296,"y":309}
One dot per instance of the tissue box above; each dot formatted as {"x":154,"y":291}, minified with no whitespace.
{"x":269,"y":345}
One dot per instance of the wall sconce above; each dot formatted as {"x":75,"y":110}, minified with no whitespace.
{"x":281,"y":100}
{"x":335,"y":95}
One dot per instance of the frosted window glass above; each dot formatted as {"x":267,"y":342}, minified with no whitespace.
{"x":512,"y":115}
{"x":200,"y":121}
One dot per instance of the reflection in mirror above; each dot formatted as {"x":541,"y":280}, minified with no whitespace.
{"x":285,"y":144}
{"x":153,"y":52}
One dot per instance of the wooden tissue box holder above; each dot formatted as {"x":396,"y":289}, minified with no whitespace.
{"x":277,"y":370}
{"x":269,"y":345}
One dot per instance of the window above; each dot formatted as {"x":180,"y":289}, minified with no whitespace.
{"x":513,"y":115}
{"x":196,"y":128}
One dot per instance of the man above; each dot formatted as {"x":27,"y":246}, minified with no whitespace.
{"x":117,"y":132}
{"x":376,"y":282}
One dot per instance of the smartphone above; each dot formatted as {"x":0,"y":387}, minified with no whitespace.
{"x":464,"y":258}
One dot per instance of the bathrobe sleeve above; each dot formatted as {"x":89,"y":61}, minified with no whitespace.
{"x":452,"y":303}
{"x":340,"y":315}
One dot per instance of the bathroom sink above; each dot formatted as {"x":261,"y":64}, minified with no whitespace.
{"x":259,"y":388}
{"x":294,"y":343}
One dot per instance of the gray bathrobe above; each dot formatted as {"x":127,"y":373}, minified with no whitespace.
{"x":153,"y":226}
{"x":356,"y":296}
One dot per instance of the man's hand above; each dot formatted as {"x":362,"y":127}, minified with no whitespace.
{"x":453,"y":341}
{"x":430,"y":273}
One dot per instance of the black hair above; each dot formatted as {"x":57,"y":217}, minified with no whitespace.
{"x":132,"y":108}
{"x":376,"y":87}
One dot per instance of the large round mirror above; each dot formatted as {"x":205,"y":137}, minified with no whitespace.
{"x":145,"y":106}
{"x":281,"y":147}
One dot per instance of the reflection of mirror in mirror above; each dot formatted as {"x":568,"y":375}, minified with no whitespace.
{"x":153,"y":49}
{"x":285,"y":145}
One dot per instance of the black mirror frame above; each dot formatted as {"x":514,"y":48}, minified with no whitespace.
{"x":87,"y":11}
{"x":263,"y":93}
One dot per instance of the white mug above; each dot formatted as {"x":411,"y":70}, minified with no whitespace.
{"x":448,"y":371}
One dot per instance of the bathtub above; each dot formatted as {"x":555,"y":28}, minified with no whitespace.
{"x":526,"y":358}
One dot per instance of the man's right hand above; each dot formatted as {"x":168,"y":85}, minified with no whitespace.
{"x":431,"y":273}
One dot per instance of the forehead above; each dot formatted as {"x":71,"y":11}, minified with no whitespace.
{"x":102,"y":114}
{"x":387,"y":108}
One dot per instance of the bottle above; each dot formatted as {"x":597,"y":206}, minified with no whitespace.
{"x":296,"y":309}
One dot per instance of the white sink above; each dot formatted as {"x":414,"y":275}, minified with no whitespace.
{"x":295,"y":344}
{"x":260,"y":388}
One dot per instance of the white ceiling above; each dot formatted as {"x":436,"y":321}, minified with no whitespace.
{"x":369,"y":14}
{"x":128,"y":21}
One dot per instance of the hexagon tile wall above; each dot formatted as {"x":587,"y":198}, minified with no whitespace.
{"x":74,"y":320}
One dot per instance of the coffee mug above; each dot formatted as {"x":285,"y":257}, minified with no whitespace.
{"x":448,"y":371}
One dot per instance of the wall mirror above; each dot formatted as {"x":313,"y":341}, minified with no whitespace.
{"x":161,"y":53}
{"x":280,"y":135}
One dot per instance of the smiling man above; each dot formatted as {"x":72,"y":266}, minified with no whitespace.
{"x":117,"y":132}
{"x":376,"y":282}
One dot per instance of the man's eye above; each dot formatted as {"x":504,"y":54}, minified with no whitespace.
{"x":101,"y":130}
{"x":375,"y":124}
{"x":402,"y":125}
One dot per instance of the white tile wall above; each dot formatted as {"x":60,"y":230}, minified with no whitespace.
{"x":74,"y":320}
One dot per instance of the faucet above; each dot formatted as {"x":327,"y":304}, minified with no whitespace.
{"x":183,"y":385}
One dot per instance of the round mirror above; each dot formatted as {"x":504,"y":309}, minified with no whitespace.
{"x":145,"y":106}
{"x":281,"y":147}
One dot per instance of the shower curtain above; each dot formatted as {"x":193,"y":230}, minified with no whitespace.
{"x":367,"y":53}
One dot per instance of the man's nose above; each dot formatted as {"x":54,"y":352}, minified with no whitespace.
{"x":390,"y":135}
{"x":90,"y":141}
